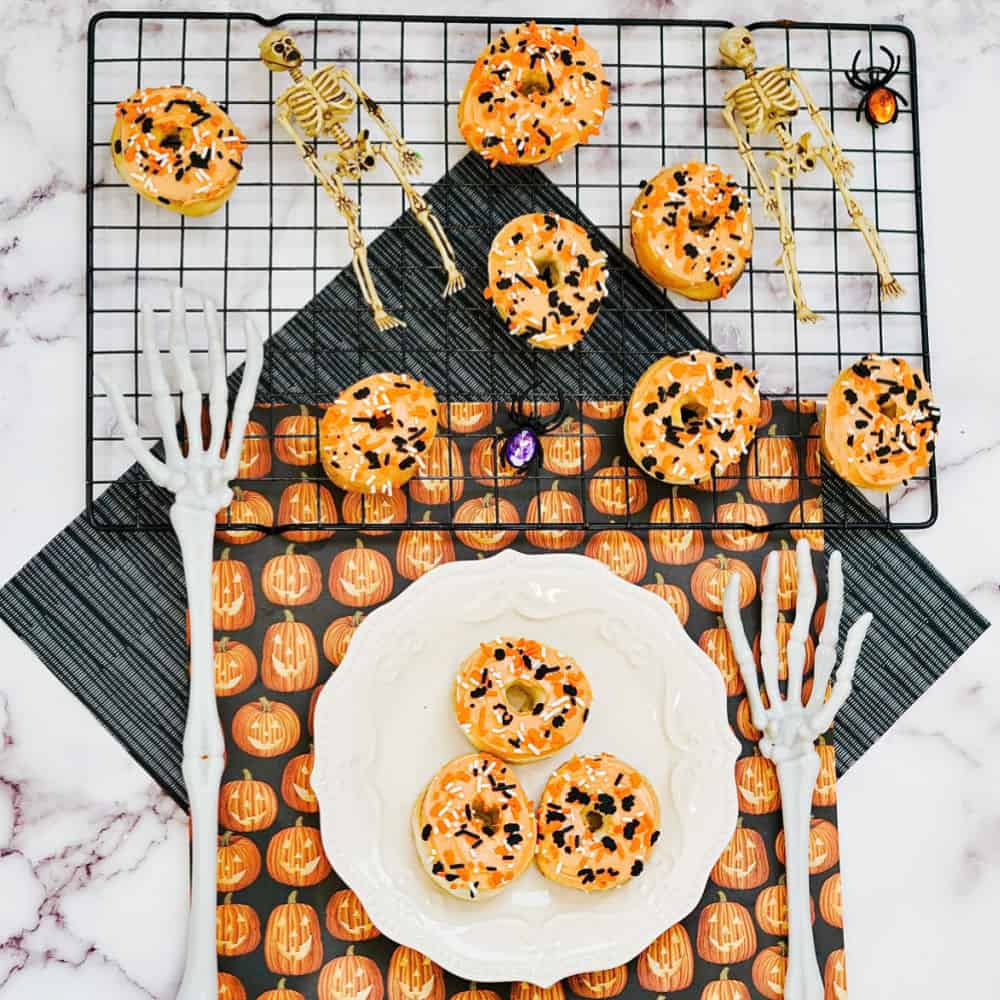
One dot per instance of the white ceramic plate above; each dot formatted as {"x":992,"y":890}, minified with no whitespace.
{"x":384,"y":725}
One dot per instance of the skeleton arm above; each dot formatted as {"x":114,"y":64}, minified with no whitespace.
{"x":409,"y":159}
{"x":843,"y":166}
{"x":746,"y":155}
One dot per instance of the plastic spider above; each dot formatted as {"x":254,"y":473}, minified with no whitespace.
{"x":880,"y":102}
{"x":521,"y":446}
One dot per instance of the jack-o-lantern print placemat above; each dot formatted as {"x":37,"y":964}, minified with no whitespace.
{"x":287,"y":607}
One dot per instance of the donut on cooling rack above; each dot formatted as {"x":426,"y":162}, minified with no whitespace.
{"x":546,"y":279}
{"x":690,"y":416}
{"x":533,"y":93}
{"x":376,"y":433}
{"x":691,"y":230}
{"x":177,"y":148}
{"x":474,"y":827}
{"x":880,"y":423}
{"x":598,"y":819}
{"x":520,"y":699}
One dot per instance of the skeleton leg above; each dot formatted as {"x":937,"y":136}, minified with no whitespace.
{"x":889,"y":285}
{"x":426,"y":217}
{"x":787,"y":258}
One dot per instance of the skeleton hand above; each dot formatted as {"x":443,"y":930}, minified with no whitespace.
{"x":841,"y":166}
{"x":200,"y":479}
{"x":409,"y":159}
{"x":789,"y":728}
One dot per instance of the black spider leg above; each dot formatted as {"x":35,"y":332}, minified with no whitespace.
{"x":894,"y":63}
{"x":540,"y":425}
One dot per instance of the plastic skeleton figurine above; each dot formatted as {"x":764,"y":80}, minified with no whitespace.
{"x":765,"y":103}
{"x":316,"y":106}
{"x":789,"y":728}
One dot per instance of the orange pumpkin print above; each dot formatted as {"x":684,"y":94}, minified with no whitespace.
{"x":727,"y":479}
{"x":824,"y":846}
{"x":347,"y":919}
{"x":725,"y":932}
{"x":621,"y":551}
{"x":350,"y":977}
{"x":291,"y":579}
{"x":255,"y":454}
{"x":281,"y":992}
{"x":740,"y":539}
{"x":788,"y":575}
{"x":571,"y":449}
{"x":338,"y":636}
{"x":489,"y":513}
{"x":489,"y":466}
{"x":311,"y":715}
{"x":466,"y":418}
{"x":744,"y":724}
{"x":246,"y":507}
{"x":295,"y":856}
{"x":825,"y":792}
{"x":599,"y":985}
{"x":235,"y":667}
{"x":757,"y":785}
{"x":528,"y":991}
{"x":783,"y":632}
{"x":230,"y":988}
{"x":290,"y":661}
{"x":831,"y":901}
{"x":667,"y":964}
{"x":743,"y":864}
{"x":618,"y":490}
{"x":718,"y":647}
{"x":807,"y":514}
{"x":554,"y":506}
{"x":835,"y":976}
{"x":296,"y":786}
{"x":673,"y":595}
{"x":247,"y":804}
{"x":676,"y":546}
{"x":293,"y":942}
{"x":441,"y":480}
{"x":771,"y":909}
{"x":422,"y":549}
{"x":296,"y":438}
{"x":266,"y":728}
{"x":233,"y":606}
{"x":768,"y":971}
{"x":814,"y":464}
{"x":725,"y":988}
{"x":307,"y":502}
{"x":476,"y":992}
{"x":711,"y":577}
{"x":773,"y":468}
{"x":375,"y":509}
{"x":237,"y":863}
{"x":413,"y":976}
{"x":237,"y":928}
{"x":603,"y":409}
{"x":360,"y":577}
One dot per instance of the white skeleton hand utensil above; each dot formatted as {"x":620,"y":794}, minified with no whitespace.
{"x":200,"y":481}
{"x":789,"y":728}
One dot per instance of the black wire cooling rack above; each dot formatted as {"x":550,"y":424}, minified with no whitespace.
{"x":278,"y":242}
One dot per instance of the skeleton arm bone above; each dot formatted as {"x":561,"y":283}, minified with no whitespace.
{"x":373,"y":108}
{"x":844,"y":166}
{"x":746,"y":155}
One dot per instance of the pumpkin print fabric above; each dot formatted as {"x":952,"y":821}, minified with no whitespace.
{"x":285,"y":610}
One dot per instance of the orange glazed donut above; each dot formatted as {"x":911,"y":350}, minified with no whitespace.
{"x":691,"y":415}
{"x":546,"y":279}
{"x":879,"y":423}
{"x":177,"y":149}
{"x":474,"y":827}
{"x":375,"y":434}
{"x":533,"y":93}
{"x":691,"y":230}
{"x":598,"y":820}
{"x":521,"y":700}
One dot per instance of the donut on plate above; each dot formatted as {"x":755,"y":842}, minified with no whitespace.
{"x":520,"y":699}
{"x":546,"y":279}
{"x":177,"y":149}
{"x":533,"y":93}
{"x":690,"y":416}
{"x":598,"y":819}
{"x":691,"y":230}
{"x":474,"y":827}
{"x":880,"y":423}
{"x":375,"y":434}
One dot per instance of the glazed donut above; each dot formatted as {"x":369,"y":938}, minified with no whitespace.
{"x":177,"y":149}
{"x":598,"y":819}
{"x":474,"y":827}
{"x":521,"y":700}
{"x":691,"y":230}
{"x":375,"y":434}
{"x":546,"y":279}
{"x":691,"y":415}
{"x":879,"y":423}
{"x":533,"y":93}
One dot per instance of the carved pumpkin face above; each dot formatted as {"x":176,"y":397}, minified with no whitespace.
{"x":725,"y":988}
{"x":266,"y":728}
{"x":488,"y":511}
{"x":307,"y":502}
{"x":255,"y":454}
{"x":347,"y":919}
{"x":247,"y":804}
{"x":674,"y":596}
{"x":743,"y":864}
{"x":603,"y":409}
{"x":290,"y":660}
{"x":350,"y":977}
{"x":230,"y":988}
{"x":768,"y":972}
{"x":421,"y":550}
{"x":293,"y":943}
{"x":825,"y":792}
{"x":599,"y":985}
{"x":571,"y":449}
{"x":295,"y":856}
{"x":237,"y":928}
{"x":338,"y":636}
{"x":757,"y":785}
{"x":740,"y":539}
{"x":726,"y":479}
{"x":296,"y":786}
{"x":291,"y":579}
{"x":233,"y":605}
{"x":555,"y":506}
{"x":618,"y":490}
{"x":711,"y":576}
{"x":466,"y":418}
{"x":237,"y":863}
{"x":413,"y":976}
{"x":621,"y":551}
{"x":489,"y":466}
{"x":441,"y":479}
{"x":831,"y":901}
{"x":725,"y":932}
{"x":771,"y":909}
{"x":375,"y":508}
{"x":676,"y":546}
{"x":246,"y":507}
{"x":235,"y":667}
{"x":717,"y":645}
{"x":808,"y":513}
{"x":824,"y":846}
{"x":296,"y":438}
{"x":360,"y":577}
{"x":773,"y":469}
{"x":835,"y":976}
{"x":668,"y":962}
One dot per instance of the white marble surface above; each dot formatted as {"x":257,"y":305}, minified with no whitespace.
{"x":92,"y":855}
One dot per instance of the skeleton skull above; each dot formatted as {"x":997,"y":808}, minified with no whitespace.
{"x":736,"y":49}
{"x":278,"y":51}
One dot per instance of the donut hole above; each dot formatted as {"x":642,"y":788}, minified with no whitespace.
{"x":534,"y":81}
{"x":692,"y":412}
{"x":382,"y":421}
{"x":173,"y":136}
{"x":594,"y":820}
{"x":702,"y":223}
{"x":548,"y":270}
{"x":523,"y":698}
{"x":488,"y":817}
{"x":890,"y":409}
